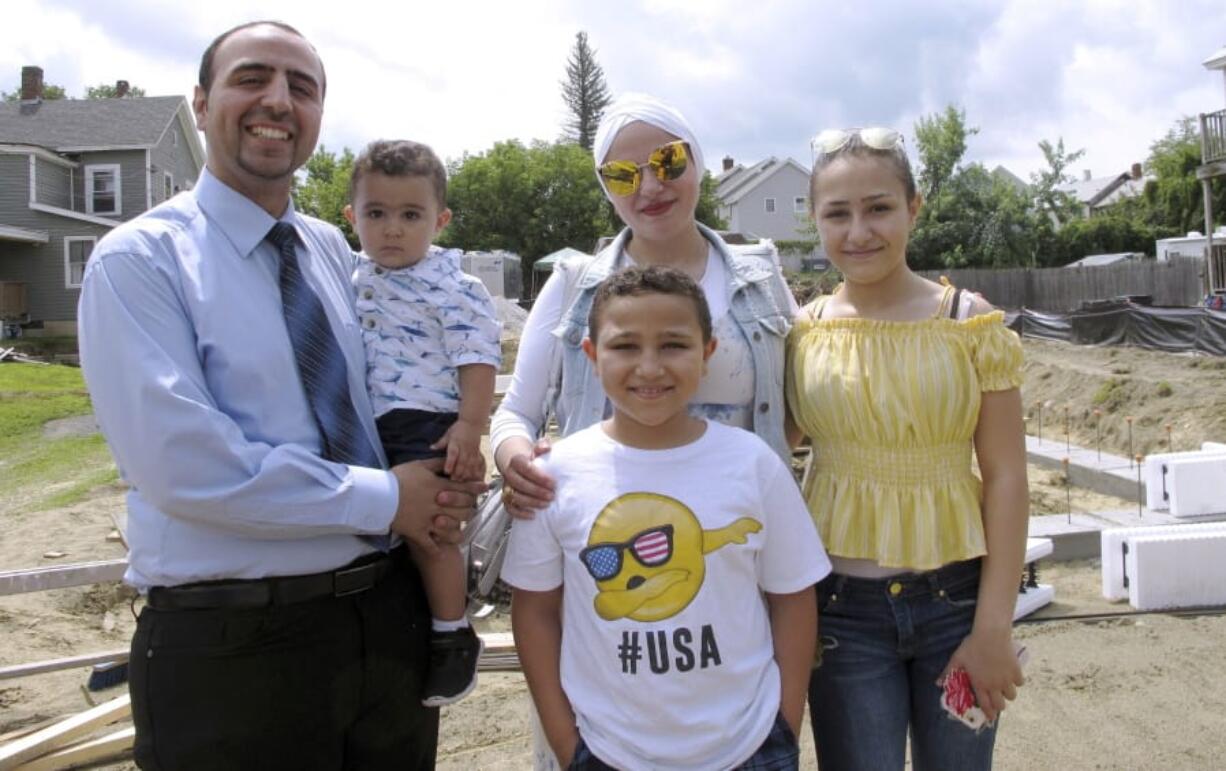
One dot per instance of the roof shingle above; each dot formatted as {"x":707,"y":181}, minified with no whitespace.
{"x":63,"y":123}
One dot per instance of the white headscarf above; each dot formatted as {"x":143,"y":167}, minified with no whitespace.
{"x":632,"y":107}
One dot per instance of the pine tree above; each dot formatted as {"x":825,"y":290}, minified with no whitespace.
{"x":585,"y":92}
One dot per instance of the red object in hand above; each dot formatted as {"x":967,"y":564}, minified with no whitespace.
{"x":959,"y":697}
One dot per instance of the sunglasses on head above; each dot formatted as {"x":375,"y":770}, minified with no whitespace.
{"x":878,"y":138}
{"x":650,"y":547}
{"x":667,"y":162}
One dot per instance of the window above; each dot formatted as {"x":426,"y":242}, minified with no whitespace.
{"x":798,"y":204}
{"x":168,"y":184}
{"x":76,"y":253}
{"x":102,"y":189}
{"x":770,"y":205}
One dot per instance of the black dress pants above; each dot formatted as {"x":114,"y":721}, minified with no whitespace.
{"x":333,"y":683}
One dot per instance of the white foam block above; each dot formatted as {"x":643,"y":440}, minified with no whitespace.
{"x":1032,"y":599}
{"x":1113,"y":553}
{"x":1037,"y":549}
{"x":1154,"y":471}
{"x":1197,"y":486}
{"x":1176,"y":571}
{"x":1213,"y":446}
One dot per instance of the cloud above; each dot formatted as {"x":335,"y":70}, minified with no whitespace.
{"x":755,"y":79}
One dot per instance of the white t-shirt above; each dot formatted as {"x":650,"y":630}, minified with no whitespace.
{"x":667,"y":655}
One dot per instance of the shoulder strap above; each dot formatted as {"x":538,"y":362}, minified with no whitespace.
{"x":818,"y":307}
{"x":955,"y":305}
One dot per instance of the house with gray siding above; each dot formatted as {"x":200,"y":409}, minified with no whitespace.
{"x":769,"y":199}
{"x":72,"y":169}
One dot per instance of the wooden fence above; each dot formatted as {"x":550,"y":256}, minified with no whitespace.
{"x":1177,"y":281}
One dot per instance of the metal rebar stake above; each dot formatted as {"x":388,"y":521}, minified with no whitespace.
{"x":1068,"y":491}
{"x":1098,"y":434}
{"x":1140,"y":493}
{"x":1039,"y":408}
{"x":1068,"y":445}
{"x":1129,"y":419}
{"x":1169,"y":447}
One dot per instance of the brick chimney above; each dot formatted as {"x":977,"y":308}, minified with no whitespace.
{"x":121,"y":89}
{"x":31,"y":83}
{"x":1135,"y":171}
{"x":728,"y":163}
{"x":1087,"y":173}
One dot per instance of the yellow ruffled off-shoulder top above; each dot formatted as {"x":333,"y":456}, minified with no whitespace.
{"x":891,"y":407}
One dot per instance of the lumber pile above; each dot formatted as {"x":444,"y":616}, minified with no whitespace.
{"x":77,"y":740}
{"x":93,"y":737}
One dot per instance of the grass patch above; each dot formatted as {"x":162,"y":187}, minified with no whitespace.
{"x":39,"y":472}
{"x":1111,"y":395}
{"x":78,"y":490}
{"x":1164,"y":389}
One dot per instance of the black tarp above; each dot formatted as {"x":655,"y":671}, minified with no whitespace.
{"x":1125,"y":323}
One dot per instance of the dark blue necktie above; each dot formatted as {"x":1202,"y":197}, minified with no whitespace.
{"x":321,"y":364}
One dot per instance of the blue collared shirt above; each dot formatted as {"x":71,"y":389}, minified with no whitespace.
{"x":194,"y":384}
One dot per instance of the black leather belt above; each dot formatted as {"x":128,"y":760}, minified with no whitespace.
{"x":354,"y":578}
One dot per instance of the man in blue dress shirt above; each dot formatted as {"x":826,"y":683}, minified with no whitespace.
{"x":277,"y":633}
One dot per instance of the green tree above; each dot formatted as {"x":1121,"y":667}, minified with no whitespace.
{"x":585,"y":92}
{"x":322,"y":189}
{"x":107,"y":91}
{"x":1108,"y":233}
{"x":1174,"y":197}
{"x":531,"y":200}
{"x":940,"y":140}
{"x":50,"y":92}
{"x":1047,"y":184}
{"x":970,"y":217}
{"x":707,"y":211}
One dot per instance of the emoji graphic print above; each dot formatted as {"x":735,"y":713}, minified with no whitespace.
{"x":647,"y":554}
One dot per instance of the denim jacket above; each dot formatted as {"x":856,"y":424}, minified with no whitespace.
{"x":758,"y":303}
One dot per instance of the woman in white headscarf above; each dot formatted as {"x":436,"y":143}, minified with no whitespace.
{"x":649,"y":164}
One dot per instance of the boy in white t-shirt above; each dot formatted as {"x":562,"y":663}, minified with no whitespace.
{"x":686,"y":632}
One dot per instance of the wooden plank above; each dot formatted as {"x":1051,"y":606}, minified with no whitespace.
{"x":111,"y":747}
{"x":120,"y":518}
{"x":61,"y":576}
{"x":54,"y":665}
{"x":499,"y":653}
{"x":496,"y":644}
{"x":27,"y":730}
{"x":64,"y":733}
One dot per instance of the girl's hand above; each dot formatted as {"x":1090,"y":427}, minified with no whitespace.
{"x":527,"y":489}
{"x":991,"y":662}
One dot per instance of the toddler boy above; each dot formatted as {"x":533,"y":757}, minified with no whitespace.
{"x":432,"y":351}
{"x":663,"y":603}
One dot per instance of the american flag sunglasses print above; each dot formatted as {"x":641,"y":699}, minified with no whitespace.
{"x":650,"y":547}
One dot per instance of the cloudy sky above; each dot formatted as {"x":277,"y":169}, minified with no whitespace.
{"x":755,"y":77}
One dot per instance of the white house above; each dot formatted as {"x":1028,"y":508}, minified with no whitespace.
{"x":1098,"y":193}
{"x":769,"y":199}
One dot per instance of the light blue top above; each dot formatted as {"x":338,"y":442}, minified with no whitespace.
{"x":193,"y":380}
{"x":759,"y":303}
{"x":419,"y":325}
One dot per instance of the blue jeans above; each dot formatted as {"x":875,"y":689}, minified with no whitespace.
{"x":884,"y":644}
{"x":779,"y":752}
